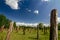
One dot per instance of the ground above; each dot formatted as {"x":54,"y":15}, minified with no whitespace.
{"x":30,"y":35}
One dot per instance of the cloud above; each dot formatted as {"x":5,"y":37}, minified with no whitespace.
{"x":36,"y":11}
{"x":27,"y":24}
{"x":46,"y":0}
{"x":30,"y":24}
{"x":46,"y":25}
{"x":58,"y":19}
{"x":28,"y":10}
{"x":12,"y":3}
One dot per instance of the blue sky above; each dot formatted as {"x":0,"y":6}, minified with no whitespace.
{"x":29,"y":11}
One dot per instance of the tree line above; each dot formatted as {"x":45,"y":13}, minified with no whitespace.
{"x":5,"y":22}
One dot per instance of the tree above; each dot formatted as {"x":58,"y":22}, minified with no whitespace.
{"x":2,"y":22}
{"x":41,"y":26}
{"x":15,"y":27}
{"x":58,"y":26}
{"x":7,"y":23}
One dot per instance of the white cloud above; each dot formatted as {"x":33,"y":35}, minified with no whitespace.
{"x":29,"y":10}
{"x":12,"y":3}
{"x":30,"y":24}
{"x":46,"y":0}
{"x":27,"y":24}
{"x":46,"y":25}
{"x":36,"y":11}
{"x":58,"y":19}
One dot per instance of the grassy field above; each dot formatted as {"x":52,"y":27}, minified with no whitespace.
{"x":30,"y":35}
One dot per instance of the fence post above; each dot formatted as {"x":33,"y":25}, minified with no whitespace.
{"x":53,"y":25}
{"x":9,"y":31}
{"x":37,"y":32}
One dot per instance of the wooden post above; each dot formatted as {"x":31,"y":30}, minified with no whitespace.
{"x":23,"y":30}
{"x":9,"y":31}
{"x":2,"y":28}
{"x":53,"y":25}
{"x":44,"y":30}
{"x":37,"y":32}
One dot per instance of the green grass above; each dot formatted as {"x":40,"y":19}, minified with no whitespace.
{"x":28,"y":36}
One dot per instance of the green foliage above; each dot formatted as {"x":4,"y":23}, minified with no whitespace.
{"x":7,"y":23}
{"x":15,"y":25}
{"x":40,"y":25}
{"x":58,"y":26}
{"x":2,"y":20}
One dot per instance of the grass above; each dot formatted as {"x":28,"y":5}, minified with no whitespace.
{"x":28,"y":36}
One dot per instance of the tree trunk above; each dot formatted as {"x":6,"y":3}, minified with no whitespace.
{"x":53,"y":25}
{"x":9,"y":31}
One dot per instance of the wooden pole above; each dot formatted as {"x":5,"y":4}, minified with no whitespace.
{"x":53,"y":25}
{"x":9,"y":31}
{"x":37,"y":32}
{"x":23,"y":30}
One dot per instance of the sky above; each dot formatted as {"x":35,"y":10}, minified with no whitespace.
{"x":29,"y":11}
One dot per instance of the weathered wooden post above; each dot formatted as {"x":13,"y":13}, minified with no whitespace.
{"x":44,"y":30}
{"x":17,"y":29}
{"x":9,"y":31}
{"x":53,"y":25}
{"x":37,"y":32}
{"x":24,"y":30}
{"x":2,"y":28}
